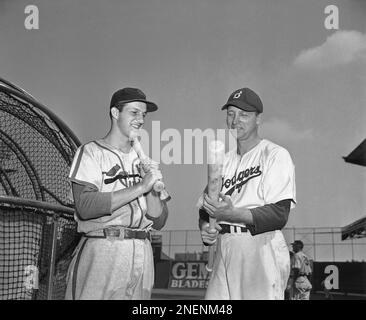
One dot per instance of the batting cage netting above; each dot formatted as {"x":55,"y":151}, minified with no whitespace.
{"x":37,"y":229}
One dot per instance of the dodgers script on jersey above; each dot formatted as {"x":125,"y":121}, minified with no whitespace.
{"x":265,"y":174}
{"x":109,"y":169}
{"x":247,"y":266}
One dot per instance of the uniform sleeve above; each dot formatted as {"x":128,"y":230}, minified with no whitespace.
{"x":89,"y":203}
{"x":85,"y":169}
{"x":203,"y":215}
{"x":279,"y":179}
{"x":159,"y":222}
{"x":270,"y":217}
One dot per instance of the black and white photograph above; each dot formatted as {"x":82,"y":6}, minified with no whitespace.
{"x":200,"y":151}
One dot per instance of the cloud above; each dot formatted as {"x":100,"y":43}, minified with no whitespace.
{"x":341,"y":48}
{"x":279,"y":130}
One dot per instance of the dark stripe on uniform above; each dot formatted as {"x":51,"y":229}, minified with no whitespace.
{"x":142,"y":213}
{"x":74,"y":273}
{"x":76,"y":168}
{"x":133,"y":267}
{"x":131,"y":215}
{"x":138,"y":200}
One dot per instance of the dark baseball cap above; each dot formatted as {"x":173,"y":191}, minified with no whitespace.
{"x":245,"y":99}
{"x":299,"y":243}
{"x":129,"y":95}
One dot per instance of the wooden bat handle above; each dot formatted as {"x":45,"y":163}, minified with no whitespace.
{"x":215,"y":162}
{"x":164,"y":195}
{"x":211,"y":250}
{"x":159,"y":185}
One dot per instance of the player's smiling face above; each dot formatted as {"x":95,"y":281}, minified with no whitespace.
{"x":242,"y":124}
{"x":131,"y":117}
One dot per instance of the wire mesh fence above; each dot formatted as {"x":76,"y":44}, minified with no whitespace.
{"x":320,"y":244}
{"x":35,"y":150}
{"x":37,"y":229}
{"x":37,"y":242}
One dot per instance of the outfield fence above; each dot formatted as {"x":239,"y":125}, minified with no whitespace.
{"x":320,"y":244}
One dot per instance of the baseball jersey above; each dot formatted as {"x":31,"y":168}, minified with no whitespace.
{"x":109,"y":169}
{"x":301,"y":262}
{"x":263,"y":175}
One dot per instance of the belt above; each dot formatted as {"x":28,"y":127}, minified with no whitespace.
{"x":227,"y":228}
{"x":118,"y":233}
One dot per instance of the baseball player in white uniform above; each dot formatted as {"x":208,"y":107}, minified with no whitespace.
{"x":116,"y":207}
{"x":258,"y":189}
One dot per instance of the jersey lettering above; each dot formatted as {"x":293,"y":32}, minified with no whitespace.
{"x":112,"y":172}
{"x":237,"y":182}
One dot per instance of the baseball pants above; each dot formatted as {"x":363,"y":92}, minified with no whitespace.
{"x":250,"y":267}
{"x":104,"y":269}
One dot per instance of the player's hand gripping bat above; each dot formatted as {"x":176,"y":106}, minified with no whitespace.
{"x":158,"y":185}
{"x":216,"y":154}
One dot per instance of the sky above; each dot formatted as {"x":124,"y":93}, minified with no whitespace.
{"x":188,"y":56}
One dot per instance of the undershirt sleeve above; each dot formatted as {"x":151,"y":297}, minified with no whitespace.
{"x":90,"y":203}
{"x":270,"y":217}
{"x":203,"y":217}
{"x":159,"y":222}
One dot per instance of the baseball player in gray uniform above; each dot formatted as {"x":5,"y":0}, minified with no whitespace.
{"x":258,"y":189}
{"x":301,"y":269}
{"x":116,"y":207}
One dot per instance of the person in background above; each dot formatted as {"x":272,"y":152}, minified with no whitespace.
{"x":301,"y":269}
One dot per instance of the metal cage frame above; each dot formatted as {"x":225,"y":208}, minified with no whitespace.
{"x":39,"y":118}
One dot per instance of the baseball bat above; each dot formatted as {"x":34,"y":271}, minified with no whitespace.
{"x":158,"y":185}
{"x":216,"y":154}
